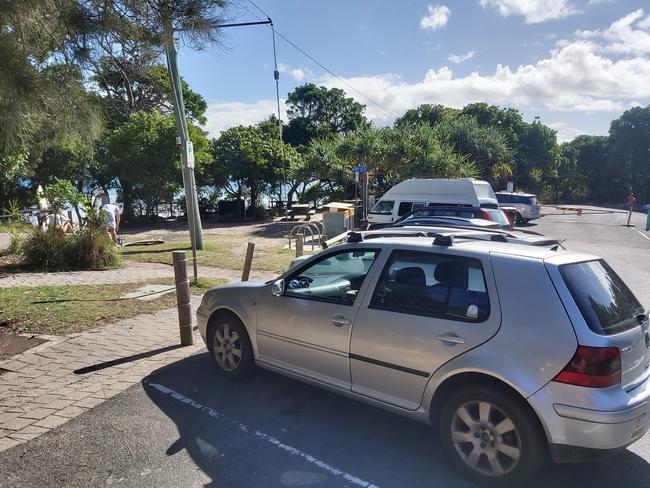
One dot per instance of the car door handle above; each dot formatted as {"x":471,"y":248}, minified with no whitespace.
{"x":339,"y":320}
{"x":451,"y":338}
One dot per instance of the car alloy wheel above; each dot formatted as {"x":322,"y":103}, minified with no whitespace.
{"x":486,"y":439}
{"x":227,"y":347}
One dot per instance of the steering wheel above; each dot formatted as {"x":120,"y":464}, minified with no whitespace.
{"x":300,"y":282}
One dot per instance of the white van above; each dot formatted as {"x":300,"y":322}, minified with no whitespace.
{"x":411,"y":194}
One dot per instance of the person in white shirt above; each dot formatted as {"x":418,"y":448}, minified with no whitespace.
{"x":60,"y":222}
{"x":111,"y":214}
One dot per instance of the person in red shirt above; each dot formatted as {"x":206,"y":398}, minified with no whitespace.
{"x":631,"y":200}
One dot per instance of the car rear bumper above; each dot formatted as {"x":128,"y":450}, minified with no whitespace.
{"x":601,"y":419}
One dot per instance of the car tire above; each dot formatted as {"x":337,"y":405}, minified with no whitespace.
{"x":503,"y":446}
{"x":230,"y":347}
{"x":519,"y":219}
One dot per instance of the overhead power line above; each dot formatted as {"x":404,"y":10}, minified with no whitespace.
{"x":314,"y":60}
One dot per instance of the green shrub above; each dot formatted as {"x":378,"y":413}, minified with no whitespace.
{"x":52,"y":250}
{"x":14,"y":242}
{"x":45,"y":249}
{"x":91,"y":248}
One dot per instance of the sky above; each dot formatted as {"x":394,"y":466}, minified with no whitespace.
{"x":575,"y":64}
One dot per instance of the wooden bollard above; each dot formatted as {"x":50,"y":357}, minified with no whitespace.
{"x":248,"y":261}
{"x":299,"y":244}
{"x":183,"y":298}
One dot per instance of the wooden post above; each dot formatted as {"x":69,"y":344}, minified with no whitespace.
{"x":299,"y":243}
{"x":183,"y":298}
{"x":248,"y":261}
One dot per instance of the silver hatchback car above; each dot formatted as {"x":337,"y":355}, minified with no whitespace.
{"x":511,"y":352}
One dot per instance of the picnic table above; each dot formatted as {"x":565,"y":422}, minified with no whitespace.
{"x":301,"y":209}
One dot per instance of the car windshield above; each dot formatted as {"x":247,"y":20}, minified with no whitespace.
{"x":383,"y":207}
{"x":606,"y":303}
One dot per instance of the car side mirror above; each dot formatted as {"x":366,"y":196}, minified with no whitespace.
{"x":277,"y":288}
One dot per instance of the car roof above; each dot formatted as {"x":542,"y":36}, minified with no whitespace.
{"x":449,"y":219}
{"x":514,"y":193}
{"x":476,"y":247}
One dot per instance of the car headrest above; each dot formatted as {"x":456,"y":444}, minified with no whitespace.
{"x":444,"y":272}
{"x":413,"y":275}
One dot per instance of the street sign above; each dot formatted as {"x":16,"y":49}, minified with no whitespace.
{"x":360,"y":169}
{"x":189,"y":148}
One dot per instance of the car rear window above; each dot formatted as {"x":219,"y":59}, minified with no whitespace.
{"x":498,"y":216}
{"x":524,"y":200}
{"x":606,"y":303}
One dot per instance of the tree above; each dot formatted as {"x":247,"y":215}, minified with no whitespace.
{"x":629,"y":150}
{"x":427,"y":114}
{"x":319,"y":112}
{"x":140,"y":84}
{"x":143,"y":156}
{"x":42,"y":96}
{"x":247,"y":156}
{"x":485,"y":145}
{"x":593,"y":173}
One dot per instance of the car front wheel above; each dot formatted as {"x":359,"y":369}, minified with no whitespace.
{"x":491,"y":437}
{"x":230,"y":347}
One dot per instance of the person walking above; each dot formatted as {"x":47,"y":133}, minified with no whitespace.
{"x":631,"y":200}
{"x":111,"y":214}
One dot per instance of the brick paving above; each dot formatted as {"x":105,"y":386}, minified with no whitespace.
{"x":41,"y":391}
{"x":132,"y":273}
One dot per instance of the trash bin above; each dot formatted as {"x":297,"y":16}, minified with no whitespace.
{"x":338,"y":218}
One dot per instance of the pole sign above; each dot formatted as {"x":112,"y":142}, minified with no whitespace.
{"x":360,"y":169}
{"x":189,"y":152}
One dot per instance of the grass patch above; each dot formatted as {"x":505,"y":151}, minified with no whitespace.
{"x":225,"y":255}
{"x":20,"y":311}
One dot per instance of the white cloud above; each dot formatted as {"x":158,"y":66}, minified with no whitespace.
{"x":627,"y":35}
{"x":298,"y":74}
{"x":575,"y":78}
{"x":437,"y":17}
{"x":223,"y":115}
{"x":585,"y":74}
{"x":459,"y":58}
{"x":533,"y":11}
{"x":565,"y":132}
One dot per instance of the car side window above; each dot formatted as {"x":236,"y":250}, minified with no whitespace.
{"x":337,"y":277}
{"x":432,"y":285}
{"x":504,"y":198}
{"x":404,"y":208}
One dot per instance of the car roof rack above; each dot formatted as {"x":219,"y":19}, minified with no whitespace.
{"x":355,"y":237}
{"x":443,"y":240}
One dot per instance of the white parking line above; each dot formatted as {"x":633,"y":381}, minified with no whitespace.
{"x":642,"y":234}
{"x":270,"y":439}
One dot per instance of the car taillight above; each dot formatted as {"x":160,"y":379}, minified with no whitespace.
{"x":512,"y":226}
{"x":593,"y":367}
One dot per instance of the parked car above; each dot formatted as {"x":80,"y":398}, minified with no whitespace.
{"x":493,"y":214}
{"x":456,"y":221}
{"x":450,"y":331}
{"x":526,"y":204}
{"x":412,"y":194}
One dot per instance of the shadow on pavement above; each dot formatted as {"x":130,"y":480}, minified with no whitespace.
{"x":273,"y":431}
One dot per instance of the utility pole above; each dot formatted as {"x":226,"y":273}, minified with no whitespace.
{"x":187,"y":154}
{"x":187,"y":150}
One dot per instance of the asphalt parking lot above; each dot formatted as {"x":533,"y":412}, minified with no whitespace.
{"x":185,"y":426}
